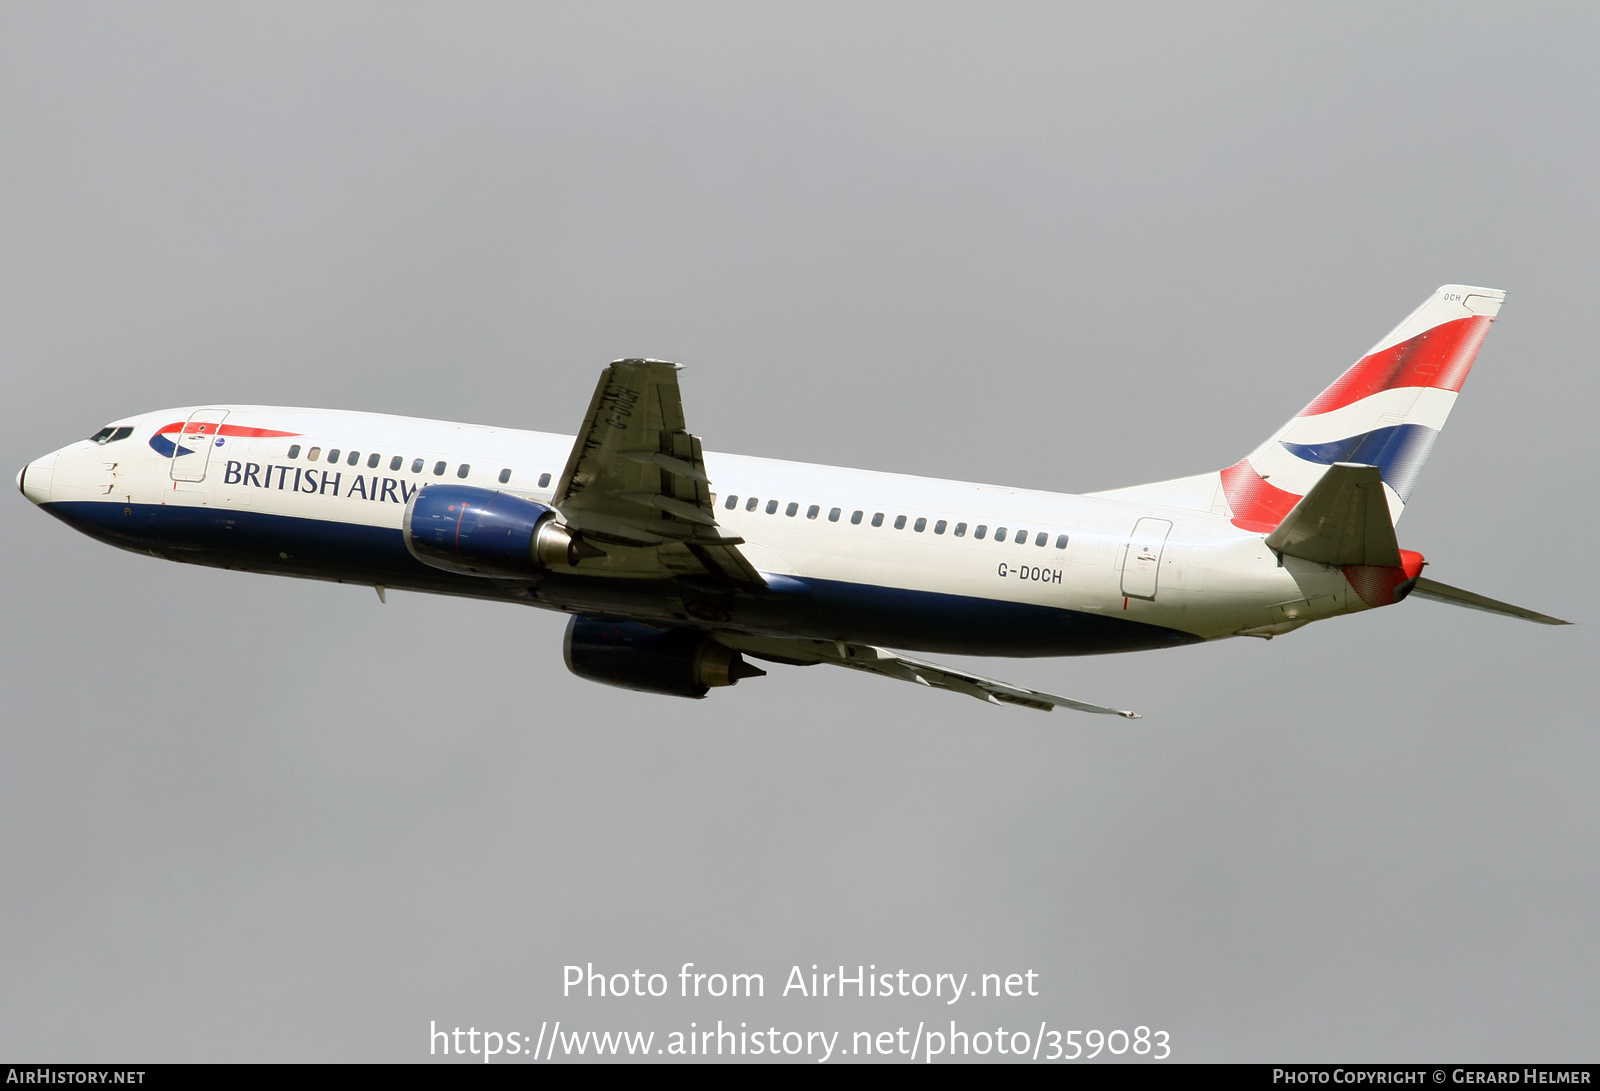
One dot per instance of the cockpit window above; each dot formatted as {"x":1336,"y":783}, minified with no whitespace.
{"x":111,"y":433}
{"x":121,"y":433}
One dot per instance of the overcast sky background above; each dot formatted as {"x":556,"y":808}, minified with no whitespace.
{"x":1061,"y":247}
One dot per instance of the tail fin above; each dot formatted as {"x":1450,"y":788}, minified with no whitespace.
{"x":1385,"y":411}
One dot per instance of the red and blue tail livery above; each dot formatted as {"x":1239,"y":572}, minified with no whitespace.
{"x":680,"y":568}
{"x":1385,"y":411}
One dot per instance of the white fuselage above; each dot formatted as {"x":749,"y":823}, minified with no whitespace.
{"x":1184,"y":569}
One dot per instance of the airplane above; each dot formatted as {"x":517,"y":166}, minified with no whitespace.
{"x":678,"y":566}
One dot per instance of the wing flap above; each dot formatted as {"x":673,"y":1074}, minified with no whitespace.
{"x":722,"y":558}
{"x":667,"y":462}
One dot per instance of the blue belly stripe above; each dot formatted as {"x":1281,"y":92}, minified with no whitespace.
{"x":912,"y":620}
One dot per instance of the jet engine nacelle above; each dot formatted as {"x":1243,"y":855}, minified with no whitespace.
{"x":676,"y":662}
{"x":481,"y":532}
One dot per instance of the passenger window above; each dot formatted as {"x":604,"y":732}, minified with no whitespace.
{"x":750,"y":504}
{"x":544,"y":481}
{"x":791,"y":509}
{"x":833,"y":515}
{"x":416,"y":465}
{"x":938,"y":528}
{"x":1061,"y":541}
{"x":1000,"y":535}
{"x":1022,"y":537}
{"x":981,"y":531}
{"x":395,"y":463}
{"x":438,"y":469}
{"x":355,"y":457}
{"x":899,"y":522}
{"x":920,"y":525}
{"x":121,"y":433}
{"x":333,"y":454}
{"x":294,"y":450}
{"x":877,"y":519}
{"x":772,"y":507}
{"x":311,"y":455}
{"x":372,"y":460}
{"x":855,"y":518}
{"x":961,"y":530}
{"x":505,"y":475}
{"x":733,"y":502}
{"x":1041,"y":539}
{"x":462,"y":472}
{"x":811,"y":512}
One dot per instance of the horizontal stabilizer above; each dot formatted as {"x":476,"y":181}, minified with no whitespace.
{"x":1344,"y":519}
{"x":1443,"y":592}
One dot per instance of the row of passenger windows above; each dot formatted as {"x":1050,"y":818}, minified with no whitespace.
{"x":353,"y":458}
{"x":981,"y":531}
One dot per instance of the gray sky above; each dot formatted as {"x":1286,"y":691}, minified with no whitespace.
{"x":1062,"y":247}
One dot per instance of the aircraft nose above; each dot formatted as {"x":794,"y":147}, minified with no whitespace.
{"x":35,"y":478}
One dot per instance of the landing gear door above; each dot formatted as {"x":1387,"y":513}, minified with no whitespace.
{"x":194,"y":445}
{"x":1141,"y":558}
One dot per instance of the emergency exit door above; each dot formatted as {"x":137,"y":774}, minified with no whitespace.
{"x":199,"y":436}
{"x":1141,"y":558}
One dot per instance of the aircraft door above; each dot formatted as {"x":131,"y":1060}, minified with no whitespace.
{"x":199,"y":436}
{"x":1141,"y":558}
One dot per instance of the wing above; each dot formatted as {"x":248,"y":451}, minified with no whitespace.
{"x":635,"y":485}
{"x":865,"y":657}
